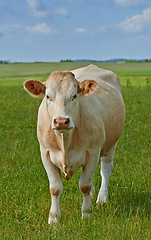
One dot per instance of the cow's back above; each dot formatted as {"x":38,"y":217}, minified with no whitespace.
{"x":98,"y":74}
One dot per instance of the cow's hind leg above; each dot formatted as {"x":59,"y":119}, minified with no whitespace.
{"x":106,"y":168}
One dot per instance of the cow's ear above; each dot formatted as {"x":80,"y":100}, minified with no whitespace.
{"x":35,"y":88}
{"x":87,"y":87}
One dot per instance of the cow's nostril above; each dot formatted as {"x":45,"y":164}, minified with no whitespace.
{"x":56,"y":123}
{"x":67,"y":121}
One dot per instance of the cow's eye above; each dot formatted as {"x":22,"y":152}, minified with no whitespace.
{"x":73,"y":97}
{"x":49,"y":98}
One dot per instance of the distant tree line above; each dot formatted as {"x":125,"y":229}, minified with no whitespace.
{"x":66,"y":60}
{"x":147,"y":60}
{"x":132,"y":61}
{"x":4,"y":62}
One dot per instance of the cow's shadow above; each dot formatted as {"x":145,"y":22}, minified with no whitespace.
{"x":128,"y":201}
{"x":135,"y":202}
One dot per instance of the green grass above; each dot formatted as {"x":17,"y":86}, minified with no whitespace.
{"x":25,"y":198}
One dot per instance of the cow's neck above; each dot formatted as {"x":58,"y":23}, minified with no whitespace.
{"x":64,"y":141}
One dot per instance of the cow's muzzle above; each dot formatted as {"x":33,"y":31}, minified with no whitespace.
{"x":62,"y":124}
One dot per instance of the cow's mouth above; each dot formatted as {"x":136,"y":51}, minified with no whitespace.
{"x":63,"y":130}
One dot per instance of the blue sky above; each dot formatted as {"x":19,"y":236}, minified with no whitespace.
{"x":51,"y":30}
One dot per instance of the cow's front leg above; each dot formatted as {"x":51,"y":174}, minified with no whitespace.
{"x":85,"y":182}
{"x":55,"y":186}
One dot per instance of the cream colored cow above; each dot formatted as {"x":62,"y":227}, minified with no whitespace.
{"x":80,"y":120}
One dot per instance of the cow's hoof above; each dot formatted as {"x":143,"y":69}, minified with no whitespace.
{"x":86,"y":215}
{"x":102,"y":199}
{"x":100,"y":203}
{"x":53,"y":219}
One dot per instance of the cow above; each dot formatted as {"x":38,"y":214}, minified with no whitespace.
{"x":80,"y":120}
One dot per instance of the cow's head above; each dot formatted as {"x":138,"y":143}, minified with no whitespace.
{"x":62,"y":92}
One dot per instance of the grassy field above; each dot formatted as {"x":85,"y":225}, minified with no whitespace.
{"x":131,"y":74}
{"x":25,"y":198}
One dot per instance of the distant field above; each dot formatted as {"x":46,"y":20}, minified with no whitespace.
{"x":25,"y":198}
{"x":136,"y":74}
{"x":27,"y":69}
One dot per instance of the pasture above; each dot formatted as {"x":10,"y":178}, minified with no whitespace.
{"x":25,"y":198}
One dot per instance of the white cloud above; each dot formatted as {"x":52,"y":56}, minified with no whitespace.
{"x":61,"y":11}
{"x":39,"y":13}
{"x":80,"y":30}
{"x":137,"y":22}
{"x":37,"y":8}
{"x":102,"y":28}
{"x":10,"y":27}
{"x":32,"y":3}
{"x":128,"y":3}
{"x":42,"y":29}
